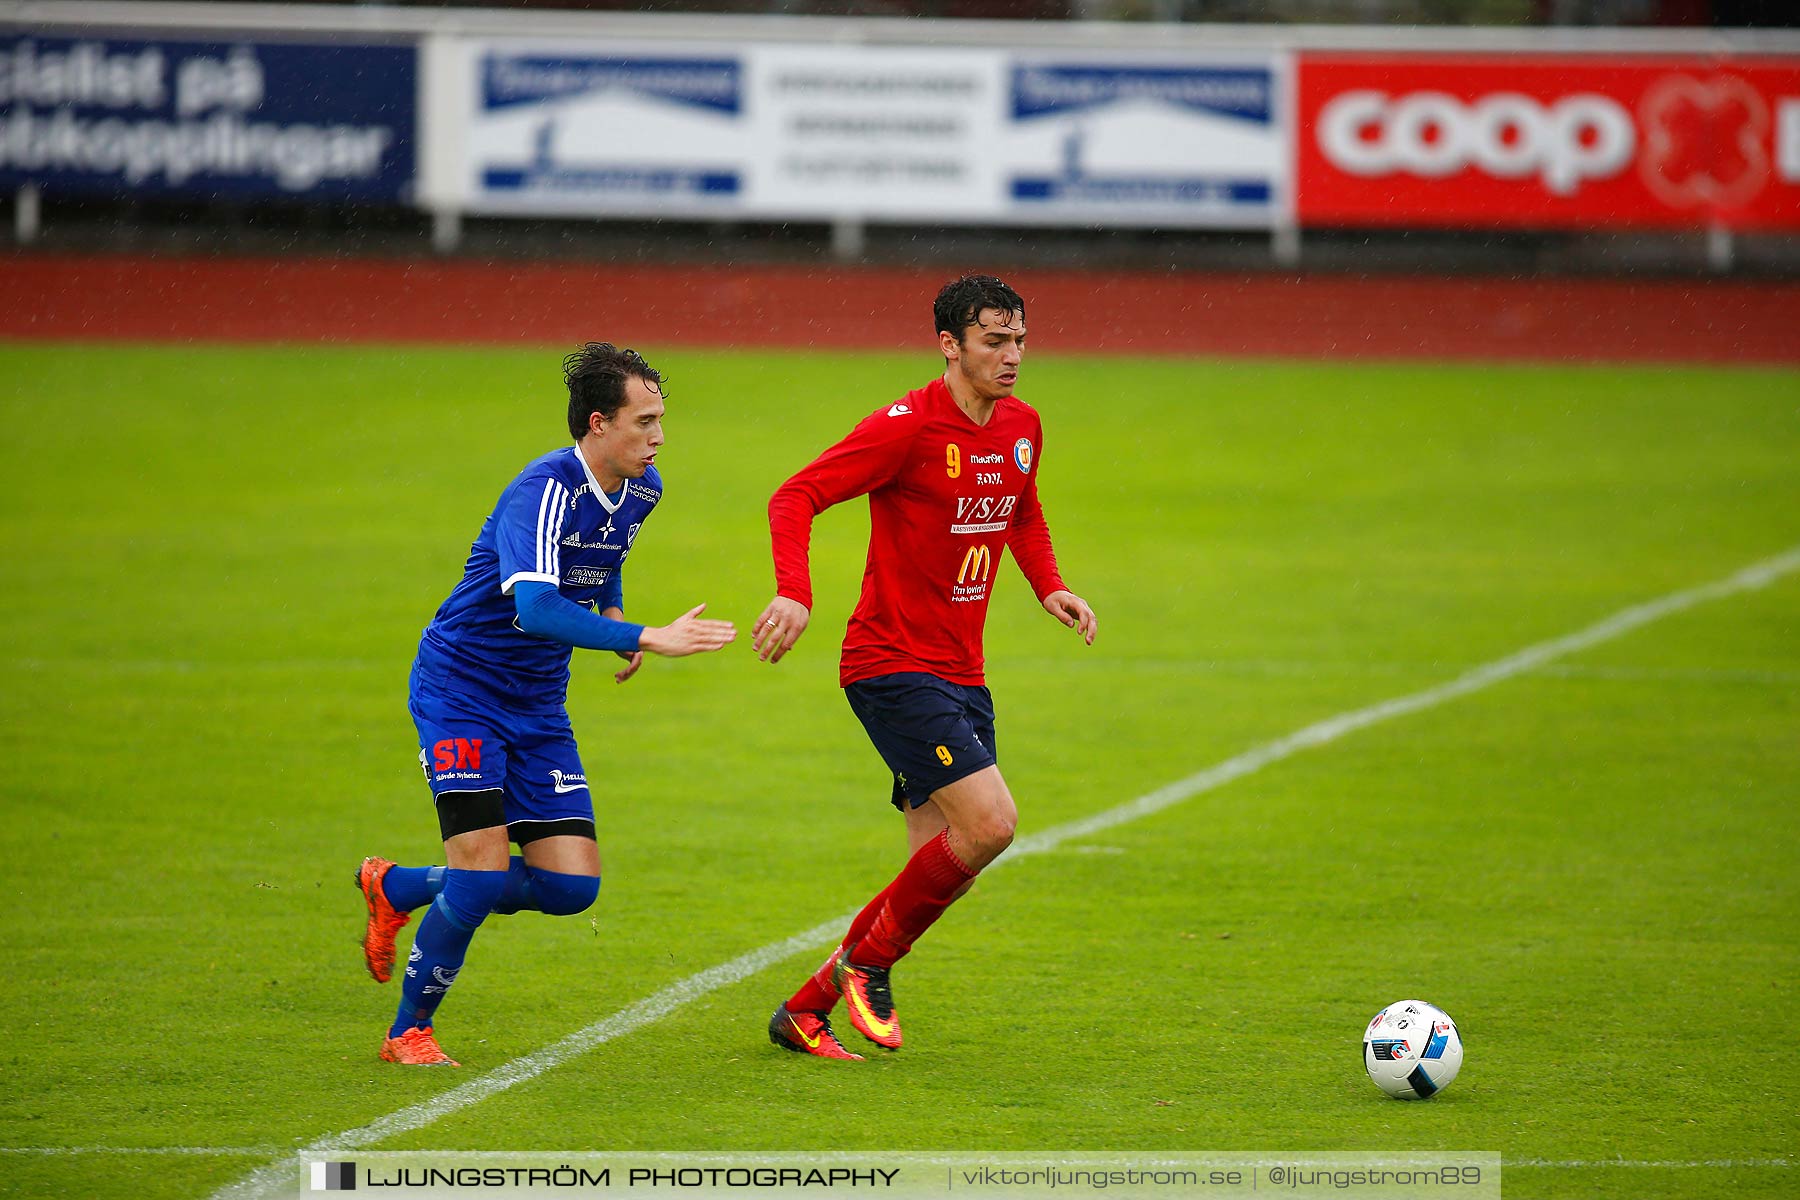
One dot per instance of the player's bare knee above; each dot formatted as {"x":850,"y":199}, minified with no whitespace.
{"x":1000,"y":833}
{"x":988,"y":838}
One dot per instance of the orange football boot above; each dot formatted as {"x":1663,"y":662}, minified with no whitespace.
{"x":384,"y":919}
{"x":417,"y":1047}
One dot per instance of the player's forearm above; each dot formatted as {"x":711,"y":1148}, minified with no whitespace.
{"x":1031,"y":549}
{"x":790,"y":541}
{"x":543,"y":612}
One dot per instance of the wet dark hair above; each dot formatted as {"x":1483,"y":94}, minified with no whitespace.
{"x":596,"y":376}
{"x":959,"y":303}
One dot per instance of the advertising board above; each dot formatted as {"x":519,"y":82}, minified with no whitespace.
{"x":232,"y":117}
{"x":1539,"y":141}
{"x":1147,"y":141}
{"x":560,"y":129}
{"x":932,"y":136}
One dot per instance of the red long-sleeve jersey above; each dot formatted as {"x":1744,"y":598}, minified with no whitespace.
{"x":946,"y":497}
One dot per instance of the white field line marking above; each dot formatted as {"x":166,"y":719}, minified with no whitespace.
{"x":1331,"y":729}
{"x":177,"y":1151}
{"x":1658,"y":1164}
{"x":1235,"y":668}
{"x":280,"y":1175}
{"x":1665,"y":1164}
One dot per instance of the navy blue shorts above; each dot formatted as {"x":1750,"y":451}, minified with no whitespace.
{"x":471,"y":743}
{"x":929,"y":731}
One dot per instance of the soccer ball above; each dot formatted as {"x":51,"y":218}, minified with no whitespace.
{"x":1412,"y":1050}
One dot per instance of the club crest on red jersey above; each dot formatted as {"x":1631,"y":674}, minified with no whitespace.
{"x":1022,"y":454}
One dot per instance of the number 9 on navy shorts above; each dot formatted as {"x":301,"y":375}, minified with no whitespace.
{"x":929,"y":731}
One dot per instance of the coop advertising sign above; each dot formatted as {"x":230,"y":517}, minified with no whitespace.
{"x":235,"y":117}
{"x":868,"y":132}
{"x":1537,"y":141}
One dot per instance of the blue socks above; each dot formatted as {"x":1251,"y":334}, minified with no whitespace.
{"x":546,"y":891}
{"x":408,"y":888}
{"x":527,"y":888}
{"x":460,"y":901}
{"x":442,"y":941}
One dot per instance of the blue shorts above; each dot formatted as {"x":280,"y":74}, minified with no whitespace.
{"x":929,"y":731}
{"x":471,"y":743}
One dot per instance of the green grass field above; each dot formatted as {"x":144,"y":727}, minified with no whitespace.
{"x":217,"y":562}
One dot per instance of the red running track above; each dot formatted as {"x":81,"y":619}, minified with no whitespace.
{"x":1338,"y":317}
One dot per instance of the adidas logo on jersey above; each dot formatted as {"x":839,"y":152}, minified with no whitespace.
{"x":574,"y":539}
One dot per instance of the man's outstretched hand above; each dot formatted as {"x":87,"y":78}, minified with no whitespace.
{"x":1074,"y":612}
{"x":687,"y":634}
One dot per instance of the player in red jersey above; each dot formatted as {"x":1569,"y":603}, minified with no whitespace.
{"x":951,"y":475}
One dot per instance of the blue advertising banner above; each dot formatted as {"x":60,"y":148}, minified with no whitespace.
{"x":238,"y":118}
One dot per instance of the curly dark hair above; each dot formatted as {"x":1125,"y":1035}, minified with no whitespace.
{"x":596,"y":376}
{"x":959,"y":303}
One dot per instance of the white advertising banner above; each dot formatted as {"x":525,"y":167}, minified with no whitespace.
{"x":875,"y":132}
{"x":902,"y":134}
{"x":602,"y":129}
{"x":1144,"y":141}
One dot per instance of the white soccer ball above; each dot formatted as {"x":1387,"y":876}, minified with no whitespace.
{"x":1412,"y":1050}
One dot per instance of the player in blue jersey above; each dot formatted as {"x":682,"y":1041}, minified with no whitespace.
{"x":489,"y":684}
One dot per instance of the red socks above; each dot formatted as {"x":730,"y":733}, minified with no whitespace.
{"x":818,"y":993}
{"x":917,"y":897}
{"x":889,"y":924}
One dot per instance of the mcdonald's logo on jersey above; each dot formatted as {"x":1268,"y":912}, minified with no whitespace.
{"x":976,"y":565}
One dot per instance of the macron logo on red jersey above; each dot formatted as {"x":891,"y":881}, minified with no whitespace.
{"x":898,"y":410}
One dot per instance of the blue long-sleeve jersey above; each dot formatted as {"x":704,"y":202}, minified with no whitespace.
{"x":552,"y":525}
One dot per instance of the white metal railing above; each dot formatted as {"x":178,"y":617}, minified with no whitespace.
{"x":447,"y":74}
{"x":377,"y":19}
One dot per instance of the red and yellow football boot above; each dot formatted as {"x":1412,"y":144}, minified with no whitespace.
{"x":870,"y":1000}
{"x":807,"y":1033}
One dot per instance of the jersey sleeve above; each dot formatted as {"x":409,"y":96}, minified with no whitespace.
{"x":543,"y":612}
{"x":871,"y":455}
{"x":612,"y":592}
{"x":1029,"y":539}
{"x":528,"y":529}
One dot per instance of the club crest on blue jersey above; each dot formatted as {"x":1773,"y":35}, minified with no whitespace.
{"x":1022,"y":454}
